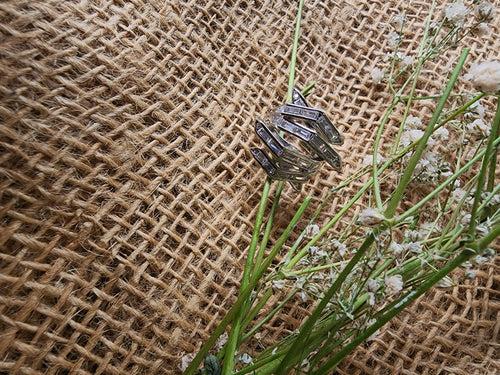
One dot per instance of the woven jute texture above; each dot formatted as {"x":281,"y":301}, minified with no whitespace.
{"x":127,"y":190}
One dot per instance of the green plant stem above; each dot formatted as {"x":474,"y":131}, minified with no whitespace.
{"x":493,"y":163}
{"x":414,"y":209}
{"x":232,"y":341}
{"x":484,"y":170}
{"x":397,"y":196}
{"x":292,"y":357}
{"x":411,"y":296}
{"x":246,"y":292}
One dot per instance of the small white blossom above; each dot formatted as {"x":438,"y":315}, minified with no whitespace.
{"x":456,"y":12}
{"x":441,"y":134}
{"x":396,"y":248}
{"x":312,"y":230}
{"x":185,"y":362}
{"x":371,"y":298}
{"x":485,"y":11}
{"x":465,"y":220}
{"x":445,"y":282}
{"x":410,"y":136}
{"x":377,"y":75}
{"x":480,"y":260}
{"x":245,"y":358}
{"x":393,"y":284}
{"x":414,"y":247}
{"x":407,"y":60}
{"x":339,"y":246}
{"x":413,"y":122}
{"x":368,"y":160}
{"x":478,"y":128}
{"x":470,"y":274}
{"x":372,"y":285}
{"x":398,"y":21}
{"x":414,"y":235}
{"x":393,"y":39}
{"x":303,"y":296}
{"x":278,"y":284}
{"x":458,"y":194}
{"x":221,"y":341}
{"x":370,"y":217}
{"x":485,"y":76}
{"x":483,"y":29}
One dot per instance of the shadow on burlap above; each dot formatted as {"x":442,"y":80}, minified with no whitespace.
{"x":127,"y":191}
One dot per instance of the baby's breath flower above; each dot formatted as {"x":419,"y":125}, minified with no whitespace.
{"x":414,"y":247}
{"x":393,"y":39}
{"x":371,"y":298}
{"x":221,"y":341}
{"x":278,"y":284}
{"x":370,"y":217}
{"x":396,"y":248}
{"x":480,"y":260}
{"x":485,"y":11}
{"x":185,"y":362}
{"x":413,"y":235}
{"x":398,"y":21}
{"x":339,"y":246}
{"x":478,"y":128}
{"x":372,"y":285}
{"x":456,"y":12}
{"x":445,"y":282}
{"x":312,"y":230}
{"x":441,"y":134}
{"x":485,"y":76}
{"x":470,"y":274}
{"x":368,"y":160}
{"x":412,"y":135}
{"x":377,"y":75}
{"x":413,"y":122}
{"x":465,"y":220}
{"x":483,"y":29}
{"x":393,"y":284}
{"x":245,"y":358}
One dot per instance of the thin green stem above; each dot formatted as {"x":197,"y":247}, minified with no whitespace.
{"x":232,"y":341}
{"x":292,"y":357}
{"x":408,"y":172}
{"x":484,"y":170}
{"x":493,"y":163}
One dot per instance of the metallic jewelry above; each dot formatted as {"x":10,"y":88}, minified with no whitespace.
{"x":314,"y":132}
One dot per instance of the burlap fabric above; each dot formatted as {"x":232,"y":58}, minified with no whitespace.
{"x":128,"y":191}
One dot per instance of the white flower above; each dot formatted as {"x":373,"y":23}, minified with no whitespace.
{"x":396,"y":248}
{"x":221,"y":341}
{"x":393,"y":39}
{"x":377,"y":75}
{"x":441,"y":134}
{"x":479,"y":128}
{"x":456,"y":13}
{"x":465,"y":221}
{"x":483,"y":29}
{"x":445,"y":282}
{"x":485,"y":11}
{"x":312,"y":230}
{"x":368,"y":160}
{"x":371,"y":299}
{"x":410,"y":136}
{"x":245,"y":358}
{"x":485,"y":76}
{"x":303,"y":296}
{"x":370,"y":217}
{"x":414,"y":247}
{"x":185,"y":362}
{"x":339,"y":246}
{"x":413,"y":235}
{"x":398,"y":21}
{"x":480,"y":260}
{"x":413,"y":122}
{"x":470,"y":274}
{"x":406,"y":60}
{"x":393,"y":284}
{"x":278,"y":284}
{"x":458,"y":194}
{"x":372,"y":285}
